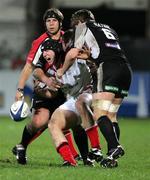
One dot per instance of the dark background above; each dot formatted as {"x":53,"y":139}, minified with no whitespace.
{"x":130,"y":25}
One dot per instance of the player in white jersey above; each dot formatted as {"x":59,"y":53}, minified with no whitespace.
{"x":76,"y":80}
{"x":72,"y":89}
{"x":82,"y":103}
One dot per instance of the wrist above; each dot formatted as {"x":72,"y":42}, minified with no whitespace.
{"x":20,"y":90}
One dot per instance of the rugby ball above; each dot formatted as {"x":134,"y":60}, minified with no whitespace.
{"x":19,"y":110}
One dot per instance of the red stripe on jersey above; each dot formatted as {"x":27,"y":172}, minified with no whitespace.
{"x":35,"y":46}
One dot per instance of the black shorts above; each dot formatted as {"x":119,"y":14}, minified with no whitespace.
{"x":50,"y":104}
{"x":115,"y":77}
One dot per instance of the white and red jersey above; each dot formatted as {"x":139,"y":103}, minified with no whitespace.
{"x":77,"y":79}
{"x":35,"y":51}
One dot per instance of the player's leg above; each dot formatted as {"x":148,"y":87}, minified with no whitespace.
{"x":83,"y":106}
{"x":101,"y":104}
{"x":120,"y":83}
{"x":117,"y":152}
{"x":68,"y":135}
{"x":62,"y":120}
{"x":81,"y":140}
{"x":79,"y":133}
{"x":112,"y":114}
{"x":31,"y":131}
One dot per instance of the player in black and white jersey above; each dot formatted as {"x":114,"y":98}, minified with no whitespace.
{"x":113,"y":76}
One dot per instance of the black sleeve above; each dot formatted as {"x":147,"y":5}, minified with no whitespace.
{"x":41,"y":62}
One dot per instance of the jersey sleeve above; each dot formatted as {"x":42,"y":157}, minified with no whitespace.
{"x":40,"y":63}
{"x":35,"y":51}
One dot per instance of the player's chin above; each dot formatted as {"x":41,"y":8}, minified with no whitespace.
{"x":52,"y":31}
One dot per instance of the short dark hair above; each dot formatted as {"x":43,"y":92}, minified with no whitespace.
{"x":53,"y":13}
{"x":82,"y":15}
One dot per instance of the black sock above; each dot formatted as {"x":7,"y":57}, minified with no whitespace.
{"x":107,"y":130}
{"x":81,"y":140}
{"x":117,"y":129}
{"x":26,"y":137}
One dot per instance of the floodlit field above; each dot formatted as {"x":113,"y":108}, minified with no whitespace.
{"x":44,"y":163}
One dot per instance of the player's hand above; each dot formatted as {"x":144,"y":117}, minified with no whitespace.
{"x":59,"y":74}
{"x":84,"y":53}
{"x":19,"y":96}
{"x":73,"y":53}
{"x":52,"y":84}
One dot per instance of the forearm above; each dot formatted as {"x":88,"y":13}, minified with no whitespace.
{"x":49,"y":81}
{"x":25,"y":74}
{"x":67,"y":64}
{"x":40,"y":75}
{"x":69,"y":60}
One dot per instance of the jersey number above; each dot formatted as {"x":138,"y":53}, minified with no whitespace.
{"x":108,"y":34}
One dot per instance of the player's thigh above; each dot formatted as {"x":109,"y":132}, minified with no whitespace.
{"x":40,"y":117}
{"x":101,"y":103}
{"x":63,"y":119}
{"x":114,"y":108}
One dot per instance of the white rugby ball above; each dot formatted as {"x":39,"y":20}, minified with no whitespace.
{"x":19,"y":110}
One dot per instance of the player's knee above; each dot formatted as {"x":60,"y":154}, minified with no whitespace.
{"x":37,"y":123}
{"x":51,"y":126}
{"x":114,"y":108}
{"x":102,"y":105}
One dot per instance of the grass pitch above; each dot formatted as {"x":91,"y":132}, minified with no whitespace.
{"x":45,"y":164}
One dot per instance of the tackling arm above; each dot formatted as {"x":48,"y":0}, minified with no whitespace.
{"x":69,"y":60}
{"x":50,"y":82}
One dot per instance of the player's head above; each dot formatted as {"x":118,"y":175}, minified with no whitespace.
{"x":53,"y":20}
{"x":50,"y":49}
{"x":82,"y":16}
{"x":68,"y":38}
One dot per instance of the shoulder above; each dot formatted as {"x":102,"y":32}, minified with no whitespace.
{"x":40,"y":39}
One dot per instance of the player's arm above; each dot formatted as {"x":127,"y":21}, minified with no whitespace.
{"x":42,"y":90}
{"x":49,"y":81}
{"x":84,"y":53}
{"x":69,"y":60}
{"x":24,"y":76}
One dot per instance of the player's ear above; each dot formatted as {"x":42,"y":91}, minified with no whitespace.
{"x":60,"y":24}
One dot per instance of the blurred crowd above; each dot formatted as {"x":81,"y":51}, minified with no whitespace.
{"x":9,"y":59}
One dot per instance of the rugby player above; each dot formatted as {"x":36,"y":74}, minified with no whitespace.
{"x":113,"y":77}
{"x":66,"y":116}
{"x":42,"y":107}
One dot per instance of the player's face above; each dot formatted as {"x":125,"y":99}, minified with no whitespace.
{"x":52,"y":25}
{"x":49,"y":55}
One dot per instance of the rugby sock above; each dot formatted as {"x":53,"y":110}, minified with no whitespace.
{"x":68,"y":136}
{"x":81,"y":140}
{"x":93,"y":136}
{"x":107,"y":130}
{"x":28,"y":136}
{"x":65,"y":152}
{"x":37,"y":134}
{"x":117,"y":129}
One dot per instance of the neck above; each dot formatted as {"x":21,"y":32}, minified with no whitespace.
{"x":55,"y":36}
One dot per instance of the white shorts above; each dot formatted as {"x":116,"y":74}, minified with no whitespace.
{"x":70,"y":105}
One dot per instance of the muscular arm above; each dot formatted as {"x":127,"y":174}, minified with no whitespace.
{"x":69,"y":60}
{"x":24,"y":76}
{"x":50,"y":82}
